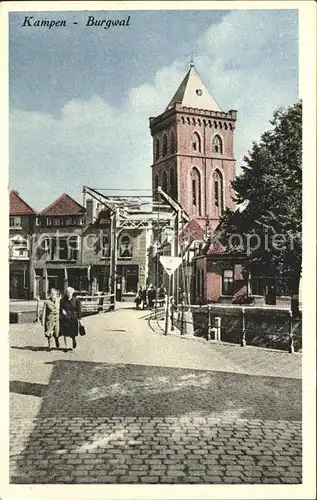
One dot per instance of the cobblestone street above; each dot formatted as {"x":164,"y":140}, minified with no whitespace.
{"x":131,"y":405}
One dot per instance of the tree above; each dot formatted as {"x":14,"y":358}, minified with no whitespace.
{"x":270,"y":191}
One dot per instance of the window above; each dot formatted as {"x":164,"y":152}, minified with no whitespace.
{"x":164,"y":181}
{"x":199,"y":92}
{"x":173,"y":148}
{"x":125,"y":247}
{"x":218,"y":191}
{"x":49,"y":221}
{"x":105,"y":246}
{"x":173,"y":182}
{"x":217,"y":145}
{"x":164,"y":145}
{"x":65,"y":248}
{"x":15,"y":222}
{"x":157,"y":149}
{"x":196,"y":142}
{"x":68,"y":221}
{"x":72,"y":247}
{"x":227,"y":282}
{"x":19,"y":248}
{"x":196,"y":191}
{"x":56,"y":222}
{"x":156,"y":185}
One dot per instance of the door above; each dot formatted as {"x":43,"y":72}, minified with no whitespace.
{"x":16,"y":286}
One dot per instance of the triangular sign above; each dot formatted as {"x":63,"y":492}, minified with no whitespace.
{"x":170,"y":264}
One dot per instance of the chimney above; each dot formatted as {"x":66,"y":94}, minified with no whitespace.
{"x":91,"y":211}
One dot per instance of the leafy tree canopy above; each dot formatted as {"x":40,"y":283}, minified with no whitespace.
{"x":268,"y":220}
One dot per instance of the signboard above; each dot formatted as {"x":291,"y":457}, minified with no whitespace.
{"x":170,"y":264}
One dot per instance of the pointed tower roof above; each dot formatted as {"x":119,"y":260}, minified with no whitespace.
{"x":192,"y":93}
{"x":64,"y":205}
{"x":18,"y":206}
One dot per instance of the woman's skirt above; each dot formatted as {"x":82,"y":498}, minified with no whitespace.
{"x":69,"y":328}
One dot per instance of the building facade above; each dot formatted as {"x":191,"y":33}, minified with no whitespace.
{"x":132,"y":253}
{"x":21,"y":228}
{"x":57,"y":249}
{"x":193,"y":151}
{"x":194,"y":162}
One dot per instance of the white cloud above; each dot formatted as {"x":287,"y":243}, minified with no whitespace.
{"x":244,"y":60}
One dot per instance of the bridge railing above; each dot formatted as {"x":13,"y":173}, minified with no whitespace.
{"x":95,"y":303}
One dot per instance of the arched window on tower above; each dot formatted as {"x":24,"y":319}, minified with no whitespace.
{"x":164,"y":145}
{"x":196,"y":144}
{"x":157,"y":149}
{"x":173,"y":145}
{"x":218,"y":192}
{"x":173,"y":182}
{"x":217,"y":146}
{"x":196,"y":191}
{"x":164,"y":181}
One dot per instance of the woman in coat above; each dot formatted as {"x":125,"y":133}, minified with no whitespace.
{"x":50,"y":318}
{"x":70,"y":314}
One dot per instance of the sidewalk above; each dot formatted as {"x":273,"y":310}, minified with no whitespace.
{"x":131,"y":405}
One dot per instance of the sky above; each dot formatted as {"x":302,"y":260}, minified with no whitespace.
{"x":80,"y":97}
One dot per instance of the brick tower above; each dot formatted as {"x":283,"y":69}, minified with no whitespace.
{"x":193,"y":157}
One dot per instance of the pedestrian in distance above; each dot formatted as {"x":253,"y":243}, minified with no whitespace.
{"x":162,"y":295}
{"x":138,"y":298}
{"x":70,"y":314}
{"x":50,"y":318}
{"x":144,"y":299}
{"x":151,"y":295}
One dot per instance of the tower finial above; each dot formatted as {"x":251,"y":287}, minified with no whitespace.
{"x":191,"y":64}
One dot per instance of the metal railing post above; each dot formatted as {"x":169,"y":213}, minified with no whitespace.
{"x":209,"y":323}
{"x":243,"y":341}
{"x":182,"y":317}
{"x":290,"y":333}
{"x":218,"y":328}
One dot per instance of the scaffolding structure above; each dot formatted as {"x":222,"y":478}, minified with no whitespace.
{"x":134,"y":210}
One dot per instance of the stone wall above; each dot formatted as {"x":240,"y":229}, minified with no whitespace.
{"x":264,"y":327}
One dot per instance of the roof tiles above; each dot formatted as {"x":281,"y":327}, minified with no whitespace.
{"x":64,"y":205}
{"x":18,"y":206}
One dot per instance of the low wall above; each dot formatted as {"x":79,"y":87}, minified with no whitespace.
{"x":264,"y":327}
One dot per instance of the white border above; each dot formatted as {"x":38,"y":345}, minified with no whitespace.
{"x":307,"y":28}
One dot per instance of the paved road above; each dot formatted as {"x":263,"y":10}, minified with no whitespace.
{"x":133,"y":406}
